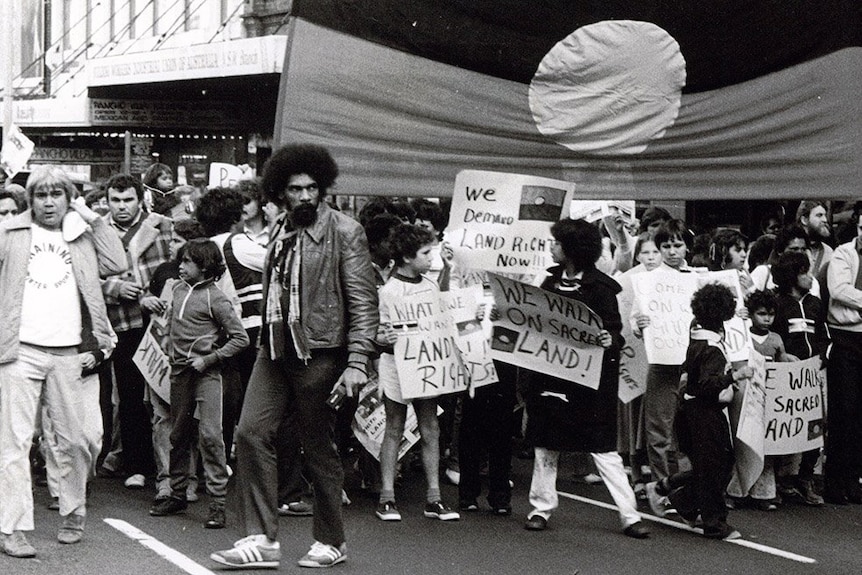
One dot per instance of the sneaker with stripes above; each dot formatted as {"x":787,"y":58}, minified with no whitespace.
{"x":323,"y":555}
{"x":250,"y":552}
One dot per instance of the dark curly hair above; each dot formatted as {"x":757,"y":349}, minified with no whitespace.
{"x":206,"y":255}
{"x":786,"y":272}
{"x":122,"y":182}
{"x":293,"y":160}
{"x":580,"y":241}
{"x":761,"y":299}
{"x":712,"y":305}
{"x":407,"y":239}
{"x":189,"y":229}
{"x":219,"y":210}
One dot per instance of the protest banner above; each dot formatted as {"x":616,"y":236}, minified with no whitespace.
{"x":794,"y":406}
{"x":502,"y":222}
{"x":473,"y":338}
{"x":369,"y":422}
{"x":633,"y":362}
{"x":427,"y":355}
{"x":546,"y":332}
{"x":737,"y":337}
{"x":747,"y":417}
{"x":152,"y":362}
{"x":665,"y":296}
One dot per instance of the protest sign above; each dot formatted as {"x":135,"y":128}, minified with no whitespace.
{"x":152,"y":361}
{"x":665,"y":296}
{"x":633,"y":362}
{"x":473,"y":339}
{"x":747,"y":416}
{"x":369,"y":422}
{"x":16,"y":151}
{"x":595,"y":210}
{"x":502,"y":222}
{"x":794,"y":406}
{"x":546,"y":332}
{"x":427,"y":355}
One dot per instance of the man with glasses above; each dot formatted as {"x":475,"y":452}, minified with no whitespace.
{"x":319,"y":322}
{"x":52,"y":302}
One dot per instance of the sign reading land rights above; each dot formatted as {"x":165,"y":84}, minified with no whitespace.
{"x":502,"y":222}
{"x":546,"y":332}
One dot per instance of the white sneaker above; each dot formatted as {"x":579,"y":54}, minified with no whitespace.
{"x":250,"y":552}
{"x":323,"y":555}
{"x":135,"y":481}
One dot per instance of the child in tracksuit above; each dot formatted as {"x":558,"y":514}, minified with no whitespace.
{"x":203,"y":331}
{"x":701,"y":424}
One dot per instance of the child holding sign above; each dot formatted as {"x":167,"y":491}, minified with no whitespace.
{"x":799,"y":320}
{"x":566,"y":416}
{"x":411,"y":249}
{"x":701,"y":424}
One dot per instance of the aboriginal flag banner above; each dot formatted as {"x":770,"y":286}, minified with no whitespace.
{"x":652,"y":99}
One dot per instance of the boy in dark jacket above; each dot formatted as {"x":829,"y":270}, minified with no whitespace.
{"x":702,"y":428}
{"x":200,"y":318}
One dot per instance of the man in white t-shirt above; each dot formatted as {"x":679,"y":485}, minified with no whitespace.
{"x":51,"y":259}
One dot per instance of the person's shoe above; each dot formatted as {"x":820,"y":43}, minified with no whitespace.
{"x":659,"y":504}
{"x":502,"y":510}
{"x":809,"y":495}
{"x":54,"y":505}
{"x":135,"y":481}
{"x":763,"y":505}
{"x":296,"y":509}
{"x":72,"y":530}
{"x":536,"y":523}
{"x":439,"y":510}
{"x":216,"y":517}
{"x":725,"y":532}
{"x":387,"y":511}
{"x":250,"y":552}
{"x":589,"y":479}
{"x":323,"y":555}
{"x":170,"y":506}
{"x":16,"y":545}
{"x":452,"y":476}
{"x":637,"y":530}
{"x":468,"y":505}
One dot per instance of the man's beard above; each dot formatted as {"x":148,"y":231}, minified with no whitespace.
{"x":303,"y":215}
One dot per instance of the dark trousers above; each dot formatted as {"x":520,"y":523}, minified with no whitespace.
{"x":844,"y":423}
{"x":704,"y":436}
{"x":487,"y":421}
{"x":135,"y":427}
{"x":276,"y":388}
{"x":235,"y":376}
{"x":291,"y":484}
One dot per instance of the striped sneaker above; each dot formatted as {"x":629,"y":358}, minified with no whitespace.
{"x":323,"y":555}
{"x":250,"y":553}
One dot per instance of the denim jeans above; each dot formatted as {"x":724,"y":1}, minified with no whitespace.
{"x":276,"y":388}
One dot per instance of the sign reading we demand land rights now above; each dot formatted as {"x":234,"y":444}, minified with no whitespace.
{"x":546,"y":332}
{"x":502,"y":222}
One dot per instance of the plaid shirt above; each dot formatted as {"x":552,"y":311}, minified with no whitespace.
{"x":149,"y":248}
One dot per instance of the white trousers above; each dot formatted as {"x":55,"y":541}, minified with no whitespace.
{"x":55,"y":379}
{"x":543,"y":487}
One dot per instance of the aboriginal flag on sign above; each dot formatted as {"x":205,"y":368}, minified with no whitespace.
{"x":627,"y":98}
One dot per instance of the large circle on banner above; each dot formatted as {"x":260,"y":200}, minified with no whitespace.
{"x":609,"y":87}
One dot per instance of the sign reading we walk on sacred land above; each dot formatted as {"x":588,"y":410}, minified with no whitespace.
{"x":502,"y":222}
{"x":546,"y":332}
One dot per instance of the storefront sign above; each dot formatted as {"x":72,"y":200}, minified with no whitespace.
{"x":165,"y":114}
{"x":246,"y":57}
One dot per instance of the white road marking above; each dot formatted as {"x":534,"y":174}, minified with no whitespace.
{"x":682,"y":526}
{"x":150,"y":542}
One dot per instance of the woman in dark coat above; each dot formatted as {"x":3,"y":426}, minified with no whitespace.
{"x":566,"y":416}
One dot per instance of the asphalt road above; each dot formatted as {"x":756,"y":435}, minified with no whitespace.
{"x":583,"y":537}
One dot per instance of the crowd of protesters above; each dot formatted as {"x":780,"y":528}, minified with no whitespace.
{"x":271,"y":307}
